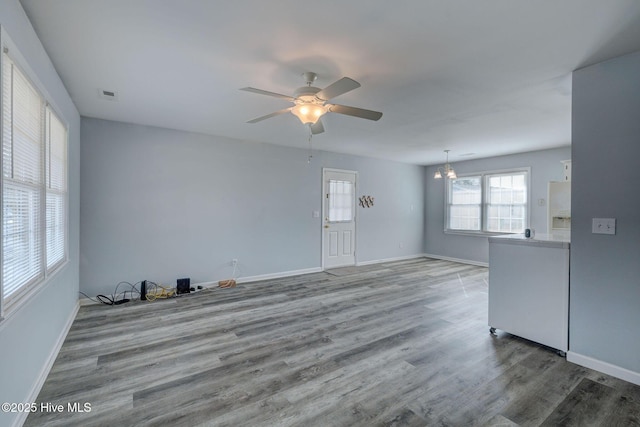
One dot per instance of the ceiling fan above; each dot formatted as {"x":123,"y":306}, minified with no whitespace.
{"x":311,"y":102}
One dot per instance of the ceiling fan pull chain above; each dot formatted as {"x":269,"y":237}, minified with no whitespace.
{"x":310,"y":146}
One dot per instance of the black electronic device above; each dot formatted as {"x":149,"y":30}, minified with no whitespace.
{"x":183,"y":286}
{"x":143,"y":290}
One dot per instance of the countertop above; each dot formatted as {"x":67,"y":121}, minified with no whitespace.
{"x":540,"y":240}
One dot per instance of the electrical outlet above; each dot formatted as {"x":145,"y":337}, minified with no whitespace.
{"x":603,"y":225}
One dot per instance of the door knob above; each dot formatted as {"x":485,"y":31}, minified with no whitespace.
{"x":326,"y":226}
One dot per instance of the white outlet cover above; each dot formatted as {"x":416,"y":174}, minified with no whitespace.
{"x":603,"y":226}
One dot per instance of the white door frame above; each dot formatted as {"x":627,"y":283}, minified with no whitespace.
{"x":325,"y":213}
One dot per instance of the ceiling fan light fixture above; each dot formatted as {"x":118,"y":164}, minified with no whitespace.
{"x":310,"y":102}
{"x":309,"y":113}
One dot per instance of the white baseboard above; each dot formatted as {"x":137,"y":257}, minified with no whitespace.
{"x":604,"y":367}
{"x":257,"y":278}
{"x":46,"y":368}
{"x":462,"y":261}
{"x":248,"y":279}
{"x":401,"y":258}
{"x":281,"y":274}
{"x":278,"y":275}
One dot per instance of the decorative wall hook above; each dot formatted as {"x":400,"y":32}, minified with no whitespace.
{"x":366,"y":201}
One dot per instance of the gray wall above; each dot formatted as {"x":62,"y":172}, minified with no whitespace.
{"x":605,"y":272}
{"x":160,"y":204}
{"x":545,"y":166}
{"x":28,"y":338}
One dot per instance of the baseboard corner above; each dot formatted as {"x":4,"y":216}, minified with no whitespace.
{"x":604,"y":367}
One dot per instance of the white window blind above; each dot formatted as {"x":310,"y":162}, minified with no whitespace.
{"x":56,"y":183}
{"x":22,"y":182}
{"x":34,"y":186}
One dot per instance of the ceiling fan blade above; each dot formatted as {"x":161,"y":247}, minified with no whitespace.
{"x":268,"y":116}
{"x":266,"y":92}
{"x":337,"y":88}
{"x":317,"y":127}
{"x":355,"y":112}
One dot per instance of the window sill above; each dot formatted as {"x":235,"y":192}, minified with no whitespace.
{"x":35,"y":289}
{"x":475,"y":233}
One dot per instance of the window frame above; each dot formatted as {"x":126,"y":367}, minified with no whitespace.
{"x":340,"y":199}
{"x":25,"y":292}
{"x":484,"y":179}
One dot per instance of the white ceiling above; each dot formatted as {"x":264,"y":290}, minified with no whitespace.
{"x":486,"y":77}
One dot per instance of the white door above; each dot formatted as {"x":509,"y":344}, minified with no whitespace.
{"x":339,"y":218}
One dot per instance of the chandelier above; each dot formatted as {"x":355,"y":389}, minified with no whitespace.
{"x":446,"y":170}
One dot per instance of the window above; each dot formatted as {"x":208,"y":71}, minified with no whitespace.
{"x":340,"y":201}
{"x":506,"y":202}
{"x":465,"y":206}
{"x":34,"y":187}
{"x":491,"y":202}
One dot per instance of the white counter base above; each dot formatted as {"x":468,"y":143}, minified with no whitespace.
{"x":529,"y":289}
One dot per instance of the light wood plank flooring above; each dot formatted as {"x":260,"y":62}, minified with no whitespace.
{"x":402,"y":343}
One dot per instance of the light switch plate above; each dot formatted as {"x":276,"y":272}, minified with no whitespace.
{"x":603,"y":226}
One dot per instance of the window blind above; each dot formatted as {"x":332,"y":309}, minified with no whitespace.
{"x":56,"y":175}
{"x":23,"y":149}
{"x":34,"y":186}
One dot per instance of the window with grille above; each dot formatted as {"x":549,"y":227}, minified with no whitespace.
{"x":465,"y":203}
{"x":341,"y":201}
{"x":34,"y":187}
{"x":506,"y":202}
{"x":491,"y":202}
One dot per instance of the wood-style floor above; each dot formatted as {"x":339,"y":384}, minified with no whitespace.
{"x":401,"y":343}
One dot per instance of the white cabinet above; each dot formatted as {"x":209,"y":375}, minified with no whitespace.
{"x":529,"y":288}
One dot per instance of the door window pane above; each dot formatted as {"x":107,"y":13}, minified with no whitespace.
{"x":341,"y":200}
